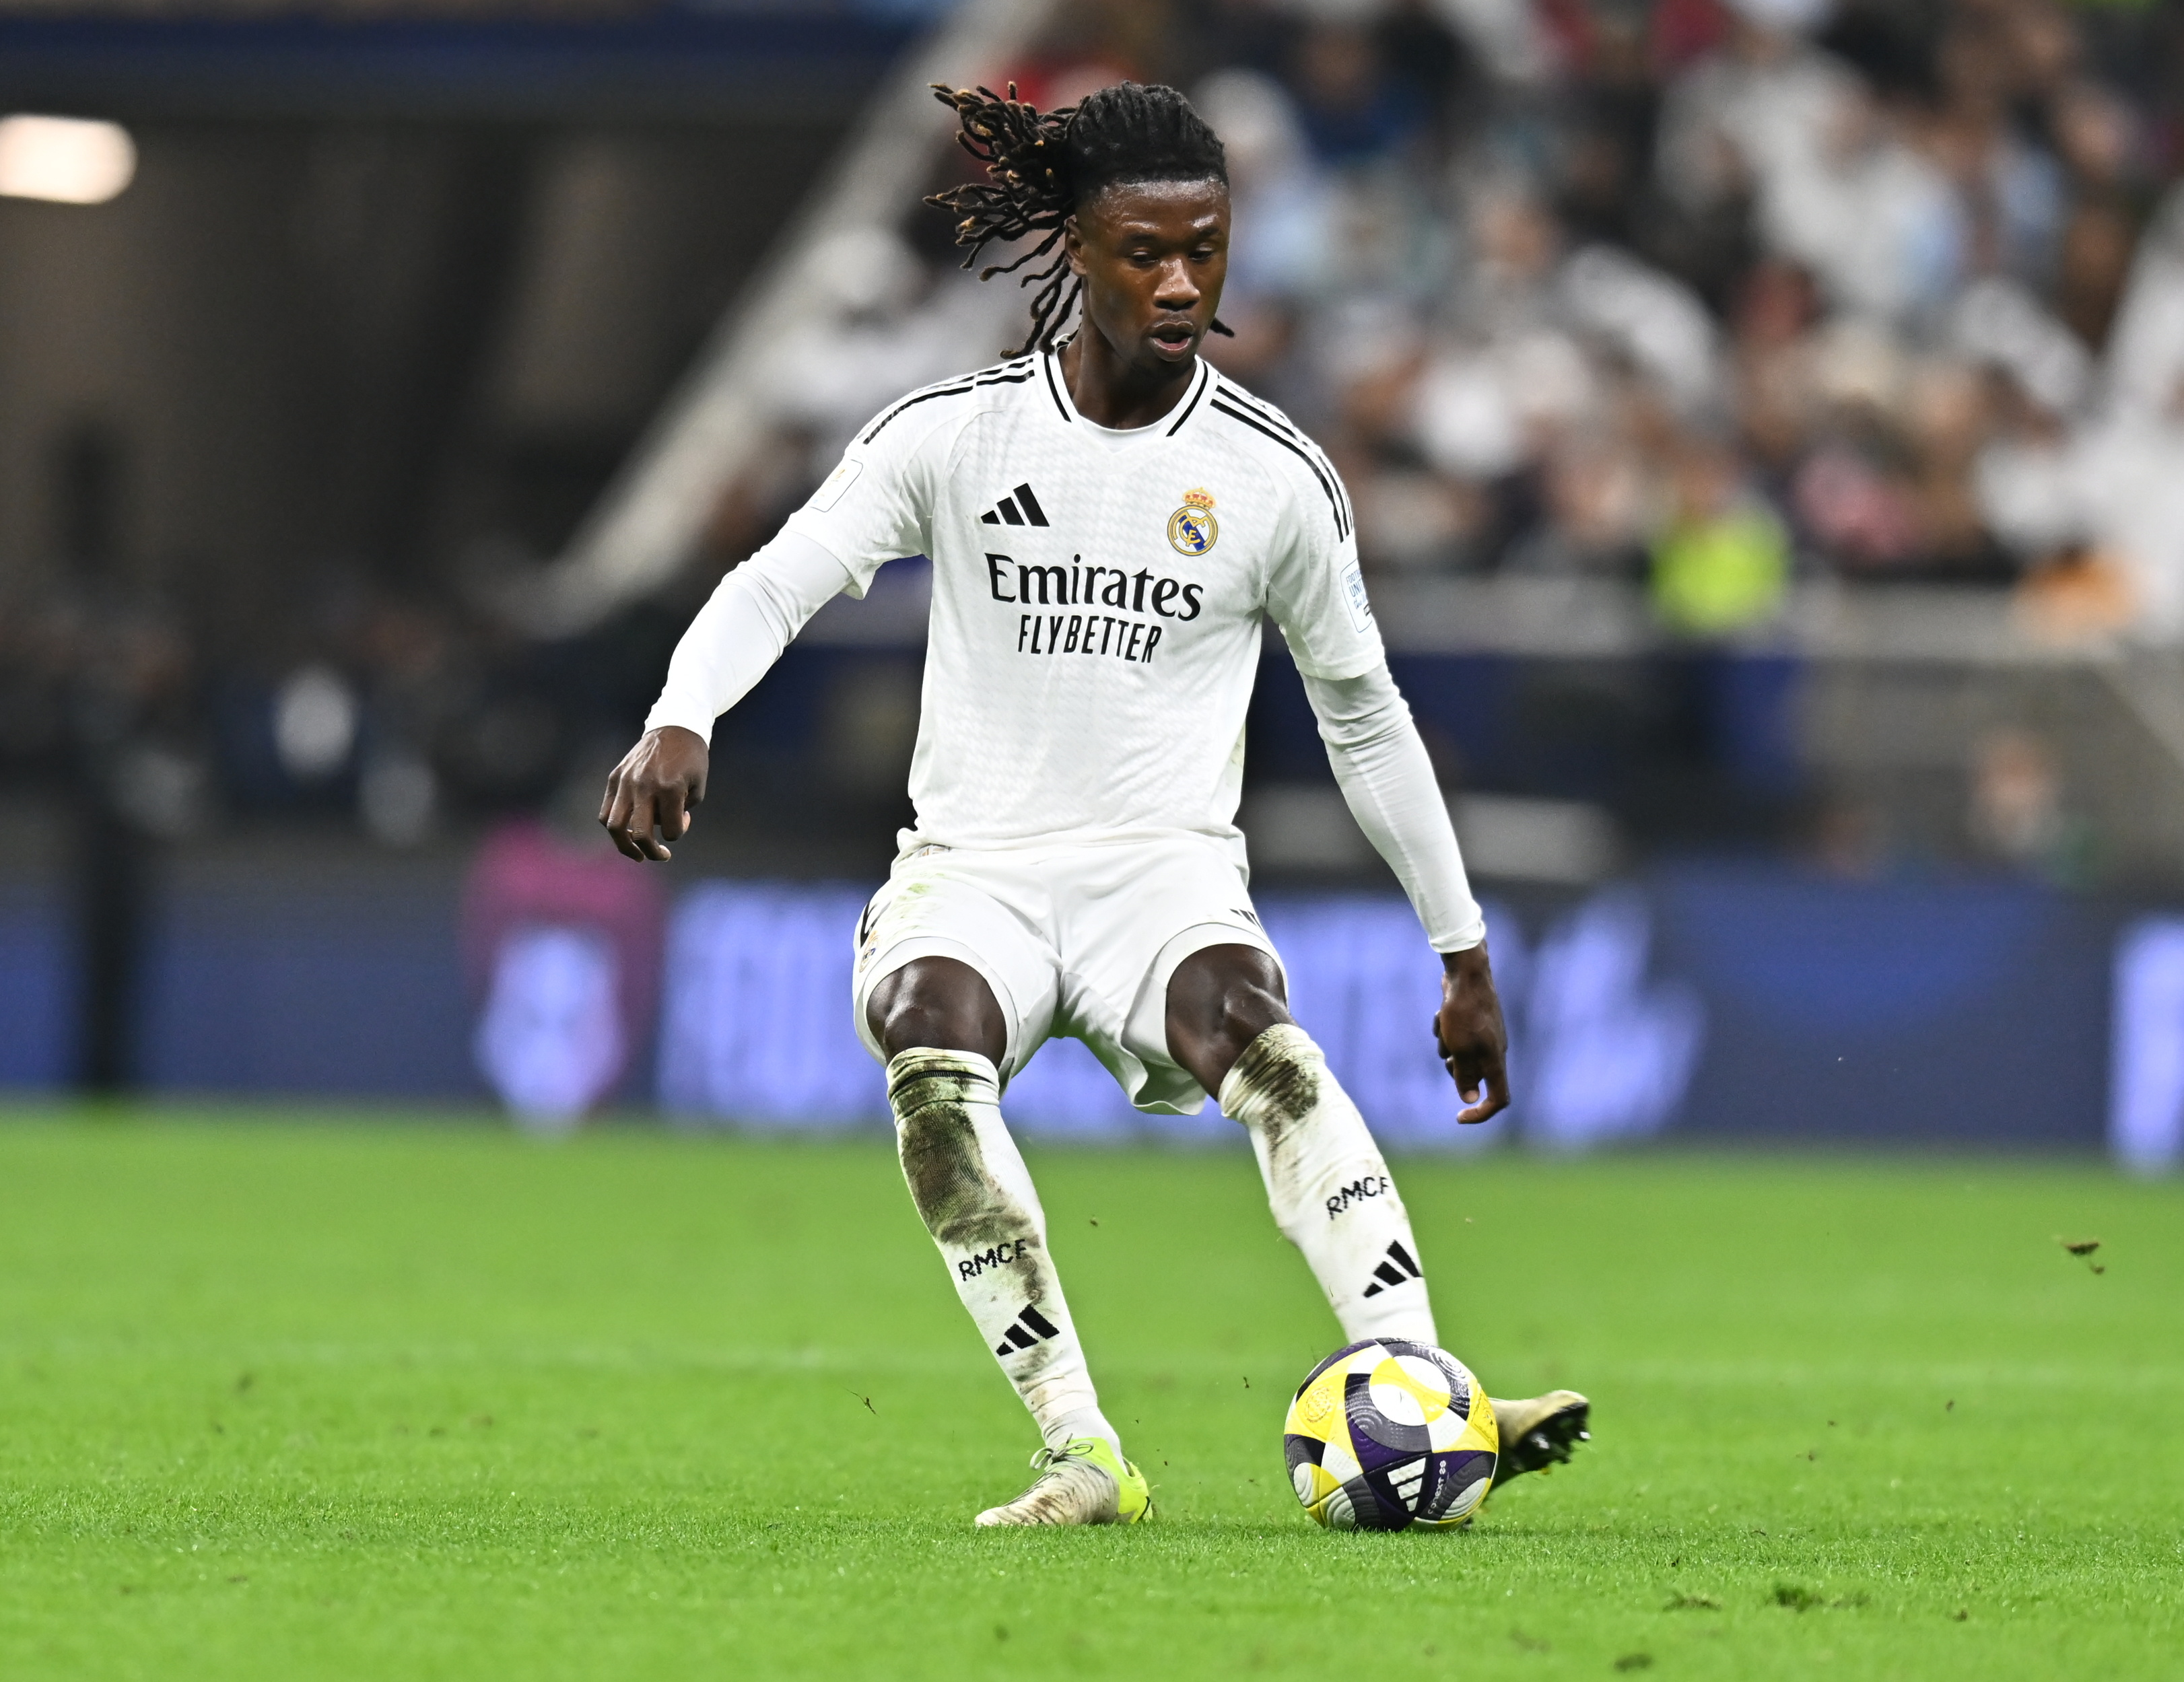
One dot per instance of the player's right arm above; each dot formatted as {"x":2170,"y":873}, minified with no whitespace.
{"x":868,"y":510}
{"x":733,"y":643}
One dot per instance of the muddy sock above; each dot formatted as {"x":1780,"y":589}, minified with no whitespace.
{"x":1329,"y":1186}
{"x":971,"y":1185}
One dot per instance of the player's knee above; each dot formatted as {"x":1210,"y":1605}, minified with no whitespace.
{"x":918,"y":1024}
{"x":1248,"y":1010}
{"x":937,"y":1004}
{"x":1219,"y":1001}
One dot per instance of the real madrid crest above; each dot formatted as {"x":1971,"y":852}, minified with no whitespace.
{"x":1192,"y":529}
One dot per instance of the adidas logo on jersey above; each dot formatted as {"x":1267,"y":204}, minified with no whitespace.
{"x":1396,"y":1268}
{"x":1019,"y":508}
{"x":1029,"y":1327}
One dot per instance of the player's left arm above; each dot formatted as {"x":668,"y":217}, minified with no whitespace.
{"x":1316,"y":594}
{"x":1388,"y":780}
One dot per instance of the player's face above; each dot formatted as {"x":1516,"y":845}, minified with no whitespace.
{"x":1153,"y":255}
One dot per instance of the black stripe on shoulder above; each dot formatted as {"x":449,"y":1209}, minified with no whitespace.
{"x":956,"y":389}
{"x":1205,"y":385}
{"x":1326,"y":479}
{"x":1046,"y":364}
{"x":1016,"y":368}
{"x":995,"y":376}
{"x":1282,"y":423}
{"x":1260,"y":407}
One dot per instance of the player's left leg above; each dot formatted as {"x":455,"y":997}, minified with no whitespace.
{"x":1329,"y":1188}
{"x":1327,"y":1181}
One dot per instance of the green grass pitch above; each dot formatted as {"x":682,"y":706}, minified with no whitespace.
{"x":315,"y":1399}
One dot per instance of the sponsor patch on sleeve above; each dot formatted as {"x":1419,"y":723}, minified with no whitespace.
{"x":832,"y":487}
{"x":1353,"y":597}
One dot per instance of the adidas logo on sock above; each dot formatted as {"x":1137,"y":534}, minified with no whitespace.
{"x":1031,"y":1326}
{"x":1396,"y":1268}
{"x":1019,"y":508}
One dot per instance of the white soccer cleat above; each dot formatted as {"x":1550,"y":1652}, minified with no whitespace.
{"x":1084,"y":1482}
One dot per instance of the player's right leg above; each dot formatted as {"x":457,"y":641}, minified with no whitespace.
{"x":944,"y":1034}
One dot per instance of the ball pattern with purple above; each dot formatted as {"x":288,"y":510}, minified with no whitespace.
{"x":1400,"y":1479}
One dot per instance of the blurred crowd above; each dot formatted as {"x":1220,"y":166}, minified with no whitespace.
{"x":1702,"y":294}
{"x":396,"y":711}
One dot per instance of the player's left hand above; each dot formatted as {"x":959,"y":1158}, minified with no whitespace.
{"x":1468,"y":1031}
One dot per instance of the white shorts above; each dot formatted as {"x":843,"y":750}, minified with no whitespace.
{"x":1078,"y":940}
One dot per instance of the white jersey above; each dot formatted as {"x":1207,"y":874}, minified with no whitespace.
{"x":1097,"y":596}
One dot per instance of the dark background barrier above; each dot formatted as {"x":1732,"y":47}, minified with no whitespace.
{"x":1706,"y":999}
{"x":1963,"y":1013}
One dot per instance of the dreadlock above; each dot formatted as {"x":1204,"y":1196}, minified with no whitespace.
{"x":1041,"y":166}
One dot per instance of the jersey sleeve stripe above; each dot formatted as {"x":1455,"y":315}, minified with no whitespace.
{"x":960,"y":387}
{"x":957,"y":389}
{"x":1326,"y":482}
{"x":1235,"y":393}
{"x":1283,"y":424}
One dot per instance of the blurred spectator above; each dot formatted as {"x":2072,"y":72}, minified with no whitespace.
{"x":1721,"y":562}
{"x":2146,"y":362}
{"x":1354,"y":111}
{"x":2018,"y":815}
{"x":1594,"y":511}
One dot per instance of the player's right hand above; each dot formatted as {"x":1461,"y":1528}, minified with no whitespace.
{"x":657,"y":787}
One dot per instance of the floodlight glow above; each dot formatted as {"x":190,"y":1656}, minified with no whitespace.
{"x":64,"y":160}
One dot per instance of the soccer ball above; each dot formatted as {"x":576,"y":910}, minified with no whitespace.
{"x":1387,"y":1434}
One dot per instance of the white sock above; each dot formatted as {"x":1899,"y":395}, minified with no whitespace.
{"x":1329,"y":1186}
{"x":970,"y":1184}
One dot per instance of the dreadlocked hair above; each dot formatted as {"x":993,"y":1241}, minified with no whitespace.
{"x":1041,"y":166}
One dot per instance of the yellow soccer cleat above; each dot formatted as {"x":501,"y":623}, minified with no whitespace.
{"x":1083,"y":1482}
{"x":1539,"y":1432}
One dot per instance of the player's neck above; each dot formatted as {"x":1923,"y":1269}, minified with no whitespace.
{"x":1109,"y":391}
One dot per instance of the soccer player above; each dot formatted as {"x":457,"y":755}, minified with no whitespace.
{"x":1108,"y":521}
